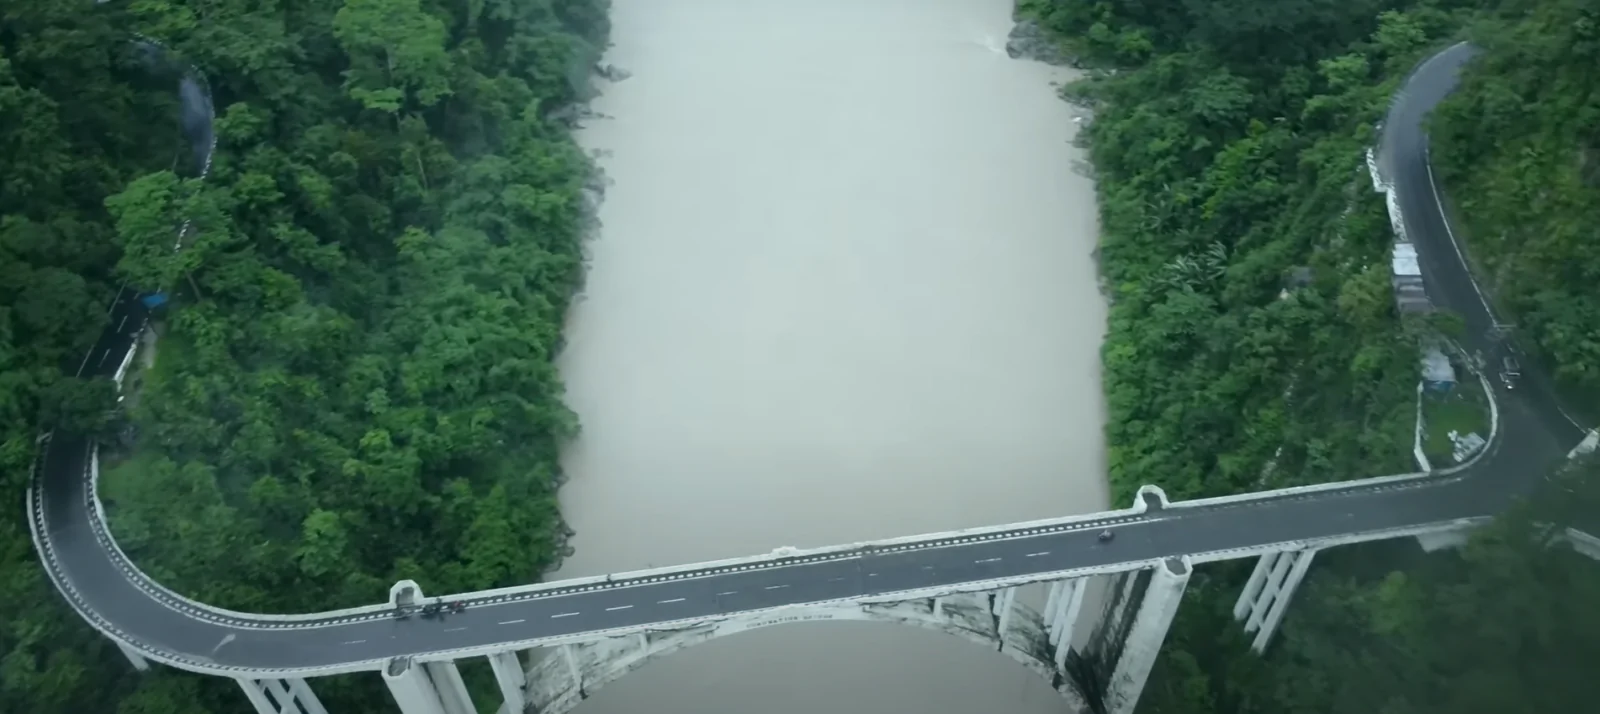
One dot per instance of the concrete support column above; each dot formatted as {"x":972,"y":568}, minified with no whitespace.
{"x":1253,"y":586}
{"x":281,"y":696}
{"x":572,"y":667}
{"x":134,"y":657}
{"x":513,"y":680}
{"x":1154,"y":616}
{"x":1267,"y":594}
{"x":1583,"y":543}
{"x":1440,"y":540}
{"x":1050,"y":601}
{"x":1065,"y":616}
{"x":938,"y":607}
{"x":412,"y":687}
{"x":452,"y":691}
{"x":1003,"y":606}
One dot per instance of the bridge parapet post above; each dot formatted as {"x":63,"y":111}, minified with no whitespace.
{"x":1267,"y":593}
{"x":281,"y":696}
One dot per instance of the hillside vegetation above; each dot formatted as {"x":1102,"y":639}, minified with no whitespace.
{"x":353,"y":384}
{"x":1227,"y":144}
{"x":79,"y":118}
{"x":1229,"y":159}
{"x":1517,"y":149}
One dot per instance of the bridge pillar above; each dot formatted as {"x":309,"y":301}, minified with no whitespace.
{"x":452,"y":691}
{"x":1003,"y":602}
{"x":513,"y":680}
{"x":281,"y":696}
{"x":573,"y":669}
{"x":1162,"y":596}
{"x":1266,"y":595}
{"x":1440,"y":540}
{"x":1583,"y":543}
{"x":1587,"y":446}
{"x":412,"y":688}
{"x":134,"y":657}
{"x":1061,"y":613}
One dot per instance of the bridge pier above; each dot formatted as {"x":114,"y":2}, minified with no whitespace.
{"x":452,"y":691}
{"x":1267,"y":594}
{"x":1442,"y":540}
{"x":281,"y":696}
{"x":1003,"y":602}
{"x":576,"y":672}
{"x":134,"y":657}
{"x":513,"y":680}
{"x":427,"y":688}
{"x":1162,"y":595}
{"x":1061,"y":614}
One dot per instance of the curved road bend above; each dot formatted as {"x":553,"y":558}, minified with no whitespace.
{"x":117,"y":598}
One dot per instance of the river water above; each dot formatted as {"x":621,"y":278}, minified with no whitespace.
{"x":844,"y":290}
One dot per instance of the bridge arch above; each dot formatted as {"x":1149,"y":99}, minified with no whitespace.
{"x":569,"y":674}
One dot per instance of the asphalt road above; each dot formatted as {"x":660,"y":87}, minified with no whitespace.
{"x":107,"y":592}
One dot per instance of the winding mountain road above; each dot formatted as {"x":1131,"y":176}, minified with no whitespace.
{"x":117,"y":598}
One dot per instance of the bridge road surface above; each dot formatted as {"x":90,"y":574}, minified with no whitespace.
{"x":1534,"y":435}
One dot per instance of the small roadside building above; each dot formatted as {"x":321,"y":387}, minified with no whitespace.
{"x":1438,"y":375}
{"x":1410,"y":296}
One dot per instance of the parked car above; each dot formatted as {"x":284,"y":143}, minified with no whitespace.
{"x":1510,"y":372}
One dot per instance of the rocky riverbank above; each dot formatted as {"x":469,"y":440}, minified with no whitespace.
{"x":1030,"y":41}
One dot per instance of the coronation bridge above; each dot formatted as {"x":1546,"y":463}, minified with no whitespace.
{"x":1096,"y":651}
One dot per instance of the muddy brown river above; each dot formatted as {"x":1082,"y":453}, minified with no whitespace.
{"x":844,"y":290}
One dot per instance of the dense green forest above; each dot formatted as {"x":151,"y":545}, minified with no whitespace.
{"x":1518,"y":151}
{"x":1228,"y":159}
{"x":1227,"y":145}
{"x":79,"y":119}
{"x":354,"y":383}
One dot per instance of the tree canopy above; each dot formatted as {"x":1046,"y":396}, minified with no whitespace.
{"x":1227,"y":145}
{"x":353,"y":379}
{"x":353,"y":382}
{"x":1517,"y":149}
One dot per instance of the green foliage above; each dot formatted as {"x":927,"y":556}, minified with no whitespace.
{"x":1227,"y":149}
{"x":1506,"y":624}
{"x":1219,"y":179}
{"x":1518,"y":149}
{"x":79,"y":119}
{"x":354,"y":382}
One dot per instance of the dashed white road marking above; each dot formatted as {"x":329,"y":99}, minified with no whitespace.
{"x":564,"y":614}
{"x":988,"y":560}
{"x":664,"y":602}
{"x":455,"y":629}
{"x":872,"y":575}
{"x":730,"y":592}
{"x":1035,"y":555}
{"x":776,"y":587}
{"x":357,"y":642}
{"x":619,"y":607}
{"x":512,"y":622}
{"x":834,"y":580}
